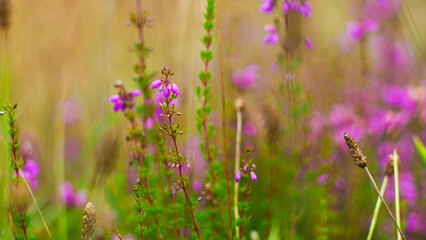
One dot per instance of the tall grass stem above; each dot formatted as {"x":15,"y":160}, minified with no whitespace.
{"x":377,"y":208}
{"x":396,"y":181}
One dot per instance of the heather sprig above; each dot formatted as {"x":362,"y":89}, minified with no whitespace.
{"x":170,"y":93}
{"x":206,"y":129}
{"x":23,"y":219}
{"x":137,"y":139}
{"x":246,"y":172}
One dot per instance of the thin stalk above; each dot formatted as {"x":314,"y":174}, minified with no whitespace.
{"x":138,"y":156}
{"x":140,"y":221}
{"x":11,"y":225}
{"x":24,"y":228}
{"x":384,"y":203}
{"x":396,"y":178}
{"x":222,"y":88}
{"x":188,"y":201}
{"x":172,"y":200}
{"x":237,"y":164}
{"x":242,"y":210}
{"x":377,"y":208}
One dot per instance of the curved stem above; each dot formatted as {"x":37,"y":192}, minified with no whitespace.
{"x":384,"y":203}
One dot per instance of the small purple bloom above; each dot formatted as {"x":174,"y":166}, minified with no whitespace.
{"x":306,"y":9}
{"x":308,"y":43}
{"x":71,"y":111}
{"x":238,"y":176}
{"x":175,"y":89}
{"x":272,"y":36}
{"x":354,"y":31}
{"x":247,"y":78}
{"x":166,"y":92}
{"x":121,"y":102}
{"x":253,"y":176}
{"x":156,"y":84}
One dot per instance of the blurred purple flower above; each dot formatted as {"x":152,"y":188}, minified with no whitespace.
{"x":197,"y":186}
{"x":316,"y":124}
{"x":380,"y":9}
{"x":308,"y":43}
{"x":407,"y":187}
{"x":250,"y":129}
{"x":272,"y":36}
{"x":398,"y":97}
{"x":275,"y":67}
{"x":267,"y":6}
{"x":123,"y":102}
{"x":71,"y":111}
{"x":321,"y":179}
{"x":70,"y":197}
{"x":247,"y":78}
{"x":357,"y":30}
{"x":413,"y":222}
{"x":149,"y":123}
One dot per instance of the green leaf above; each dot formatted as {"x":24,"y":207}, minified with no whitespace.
{"x":421,"y":149}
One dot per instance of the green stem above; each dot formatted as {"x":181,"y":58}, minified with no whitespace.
{"x":377,"y":208}
{"x":396,"y":178}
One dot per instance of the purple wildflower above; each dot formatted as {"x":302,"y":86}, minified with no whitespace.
{"x":247,"y":78}
{"x":267,"y":6}
{"x":125,"y":100}
{"x":305,"y":9}
{"x":238,"y":176}
{"x":272,"y":36}
{"x":253,"y":176}
{"x":149,"y":123}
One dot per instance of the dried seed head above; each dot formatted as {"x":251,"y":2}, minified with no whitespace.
{"x":389,"y":166}
{"x":359,"y":158}
{"x":89,"y":222}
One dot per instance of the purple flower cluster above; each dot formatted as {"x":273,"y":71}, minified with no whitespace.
{"x":357,"y":30}
{"x":165,"y":86}
{"x":124,"y":100}
{"x":71,"y":197}
{"x":248,"y":168}
{"x":30,"y":171}
{"x":302,"y":7}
